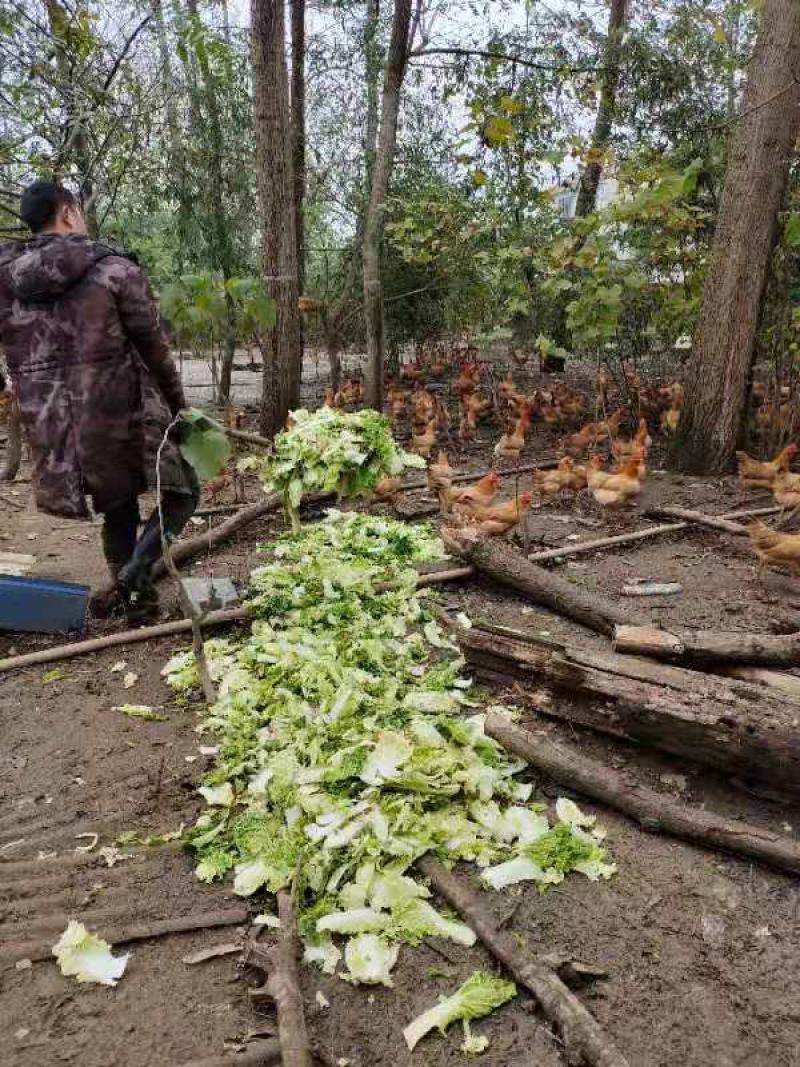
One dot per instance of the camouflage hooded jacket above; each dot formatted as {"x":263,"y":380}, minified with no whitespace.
{"x":91,"y":369}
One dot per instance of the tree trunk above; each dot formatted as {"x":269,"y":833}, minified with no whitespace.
{"x":177,"y":156}
{"x":219,"y":237}
{"x":10,"y":468}
{"x":333,"y":318}
{"x":394,"y":73}
{"x":281,"y":346}
{"x":299,"y":131}
{"x":761,"y":153}
{"x":612,"y":60}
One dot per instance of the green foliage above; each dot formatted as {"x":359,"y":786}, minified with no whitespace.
{"x":204,"y":444}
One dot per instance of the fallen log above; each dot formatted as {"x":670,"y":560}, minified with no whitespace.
{"x":606,"y":542}
{"x":655,"y":812}
{"x":584,"y":1040}
{"x":283,"y":986}
{"x":739,"y":728}
{"x":124,"y":637}
{"x":510,"y":567}
{"x":708,"y":646}
{"x":125,"y":935}
{"x":250,"y":438}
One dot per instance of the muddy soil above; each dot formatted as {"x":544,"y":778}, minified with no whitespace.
{"x":700,"y":949}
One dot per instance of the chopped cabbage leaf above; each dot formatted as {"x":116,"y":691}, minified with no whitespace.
{"x":88,"y":957}
{"x":478,"y":996}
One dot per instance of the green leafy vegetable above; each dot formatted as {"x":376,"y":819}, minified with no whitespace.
{"x":203,"y":444}
{"x":478,"y":996}
{"x":332,"y":451}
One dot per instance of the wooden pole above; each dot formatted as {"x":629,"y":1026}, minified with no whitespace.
{"x":640,"y":535}
{"x":655,"y":812}
{"x":584,"y":1039}
{"x":708,"y":646}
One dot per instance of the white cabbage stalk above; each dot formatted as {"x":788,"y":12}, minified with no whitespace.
{"x":324,"y":954}
{"x":519,"y":869}
{"x":354,"y":921}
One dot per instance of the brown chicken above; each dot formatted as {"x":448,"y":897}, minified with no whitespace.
{"x":670,"y":419}
{"x":786,"y":490}
{"x":623,"y":447}
{"x":467,"y":379}
{"x":387,"y":489}
{"x":615,"y":489}
{"x":577,"y":443}
{"x":512,"y":443}
{"x":778,"y":550}
{"x":481,"y":494}
{"x":440,"y":481}
{"x":567,"y":476}
{"x":612,"y":424}
{"x":424,"y":406}
{"x":422,"y":442}
{"x":754,"y":474}
{"x":500,"y":518}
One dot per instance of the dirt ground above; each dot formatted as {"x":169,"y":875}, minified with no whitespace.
{"x":700,"y":949}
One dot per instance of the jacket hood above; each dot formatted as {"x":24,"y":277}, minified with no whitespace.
{"x":47,"y":266}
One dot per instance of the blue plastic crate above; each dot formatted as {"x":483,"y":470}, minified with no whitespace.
{"x":41,"y":605}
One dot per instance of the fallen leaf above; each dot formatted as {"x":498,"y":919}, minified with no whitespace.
{"x":23,"y":965}
{"x":226,"y":949}
{"x":118,"y":667}
{"x":111,"y":854}
{"x":130,"y":680}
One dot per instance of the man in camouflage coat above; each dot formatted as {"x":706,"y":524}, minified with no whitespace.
{"x":96,"y":385}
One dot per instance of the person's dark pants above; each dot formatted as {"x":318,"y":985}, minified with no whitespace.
{"x":130,"y":555}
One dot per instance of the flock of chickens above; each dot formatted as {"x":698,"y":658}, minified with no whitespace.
{"x":581,"y":468}
{"x":558,"y":408}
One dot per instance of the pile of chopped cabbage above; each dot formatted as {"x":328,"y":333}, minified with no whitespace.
{"x":350,"y":744}
{"x":325,"y":450}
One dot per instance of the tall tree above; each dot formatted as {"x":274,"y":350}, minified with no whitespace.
{"x":604,"y":121}
{"x":219,"y":235}
{"x":299,"y":131}
{"x":281,"y":346}
{"x":761,"y":153}
{"x":396,"y":63}
{"x":333,"y":317}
